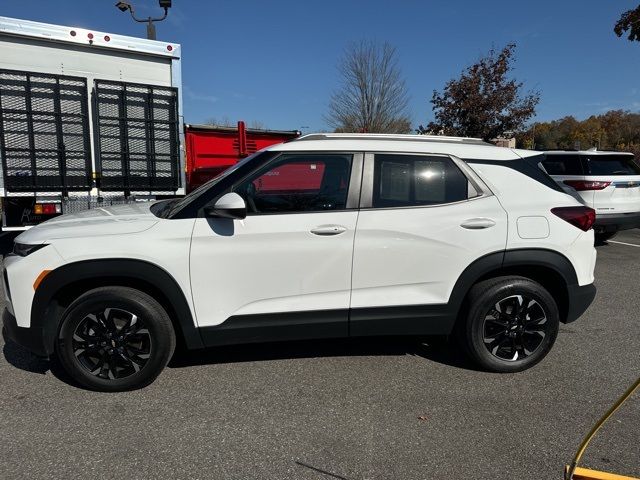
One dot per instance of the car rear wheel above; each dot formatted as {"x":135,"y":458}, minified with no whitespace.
{"x":115,"y":339}
{"x":511,"y":324}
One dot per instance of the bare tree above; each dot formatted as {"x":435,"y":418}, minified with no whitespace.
{"x":226,"y":122}
{"x":373,"y":95}
{"x":223,"y":122}
{"x":258,"y":125}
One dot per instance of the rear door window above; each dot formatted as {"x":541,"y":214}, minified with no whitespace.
{"x":414,"y":180}
{"x":612,"y":165}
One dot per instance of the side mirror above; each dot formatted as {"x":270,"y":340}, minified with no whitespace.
{"x":230,"y":205}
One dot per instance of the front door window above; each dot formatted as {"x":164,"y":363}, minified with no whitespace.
{"x":298,"y":183}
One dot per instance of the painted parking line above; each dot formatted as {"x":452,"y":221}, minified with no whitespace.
{"x":623,"y":243}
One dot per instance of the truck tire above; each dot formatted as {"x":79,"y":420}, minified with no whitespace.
{"x":510,"y":325}
{"x":114,"y":339}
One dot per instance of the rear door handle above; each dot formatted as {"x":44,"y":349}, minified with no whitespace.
{"x":477,"y":223}
{"x":328,"y":230}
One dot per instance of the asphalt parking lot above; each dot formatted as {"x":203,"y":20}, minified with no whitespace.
{"x":365,"y":409}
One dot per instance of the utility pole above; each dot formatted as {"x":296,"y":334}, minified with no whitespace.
{"x":151,"y":28}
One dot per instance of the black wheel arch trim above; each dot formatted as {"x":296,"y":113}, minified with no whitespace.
{"x":507,"y":259}
{"x":45,"y":312}
{"x":542,"y":258}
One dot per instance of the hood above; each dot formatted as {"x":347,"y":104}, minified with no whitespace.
{"x":117,"y":220}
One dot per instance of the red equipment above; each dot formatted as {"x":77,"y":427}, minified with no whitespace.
{"x":212,"y":149}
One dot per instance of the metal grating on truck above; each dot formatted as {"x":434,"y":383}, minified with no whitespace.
{"x":137,"y":127}
{"x":44,"y":132}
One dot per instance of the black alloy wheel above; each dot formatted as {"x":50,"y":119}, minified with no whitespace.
{"x":514,"y":328}
{"x":509,"y":324}
{"x":116,"y":338}
{"x":112,"y":343}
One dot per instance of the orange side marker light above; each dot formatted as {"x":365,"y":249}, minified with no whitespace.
{"x":40,"y":278}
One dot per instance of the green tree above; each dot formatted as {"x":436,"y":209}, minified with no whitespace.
{"x":484,"y":101}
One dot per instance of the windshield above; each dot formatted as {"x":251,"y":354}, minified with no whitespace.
{"x":179,"y":203}
{"x":612,"y":165}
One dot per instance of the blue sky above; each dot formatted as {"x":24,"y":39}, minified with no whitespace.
{"x":275,"y":61}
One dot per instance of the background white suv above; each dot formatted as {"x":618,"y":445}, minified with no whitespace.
{"x":608,"y":182}
{"x":322,"y":237}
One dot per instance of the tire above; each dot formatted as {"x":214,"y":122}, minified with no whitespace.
{"x":501,"y":337}
{"x":114,"y":339}
{"x":603,"y":237}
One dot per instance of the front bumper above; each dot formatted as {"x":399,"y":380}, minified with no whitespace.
{"x":580,"y":297}
{"x":616,"y":221}
{"x":30,"y":338}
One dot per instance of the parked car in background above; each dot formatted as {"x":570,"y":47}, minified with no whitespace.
{"x":325,"y":236}
{"x":608,"y":182}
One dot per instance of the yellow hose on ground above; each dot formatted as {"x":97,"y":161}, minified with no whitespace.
{"x":585,"y":443}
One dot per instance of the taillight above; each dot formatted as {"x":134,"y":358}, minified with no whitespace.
{"x":582,"y":185}
{"x":47,"y":208}
{"x":581,"y":217}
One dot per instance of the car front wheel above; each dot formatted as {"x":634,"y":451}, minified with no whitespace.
{"x":511,"y":324}
{"x":115,"y":339}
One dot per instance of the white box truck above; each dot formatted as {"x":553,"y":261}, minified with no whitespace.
{"x":87,"y":118}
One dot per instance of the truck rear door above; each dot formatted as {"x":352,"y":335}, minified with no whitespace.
{"x":138,"y":137}
{"x":44,"y":141}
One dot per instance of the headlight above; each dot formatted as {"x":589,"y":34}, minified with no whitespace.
{"x":24,"y":249}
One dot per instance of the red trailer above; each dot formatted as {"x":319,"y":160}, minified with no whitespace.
{"x":212,"y":149}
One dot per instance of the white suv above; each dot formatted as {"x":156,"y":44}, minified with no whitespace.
{"x":326,"y":236}
{"x":608,"y":182}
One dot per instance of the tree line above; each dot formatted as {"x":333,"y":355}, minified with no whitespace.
{"x":613,"y":130}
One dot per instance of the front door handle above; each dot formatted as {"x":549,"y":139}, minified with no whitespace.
{"x":477,"y":223}
{"x":327,"y":230}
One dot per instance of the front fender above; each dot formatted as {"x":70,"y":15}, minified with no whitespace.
{"x":46,"y":311}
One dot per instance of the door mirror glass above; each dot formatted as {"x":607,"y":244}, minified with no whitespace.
{"x":230,"y":205}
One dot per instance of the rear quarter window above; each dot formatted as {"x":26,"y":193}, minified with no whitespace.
{"x":532,"y":167}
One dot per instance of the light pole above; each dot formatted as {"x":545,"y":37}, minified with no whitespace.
{"x":151,"y":28}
